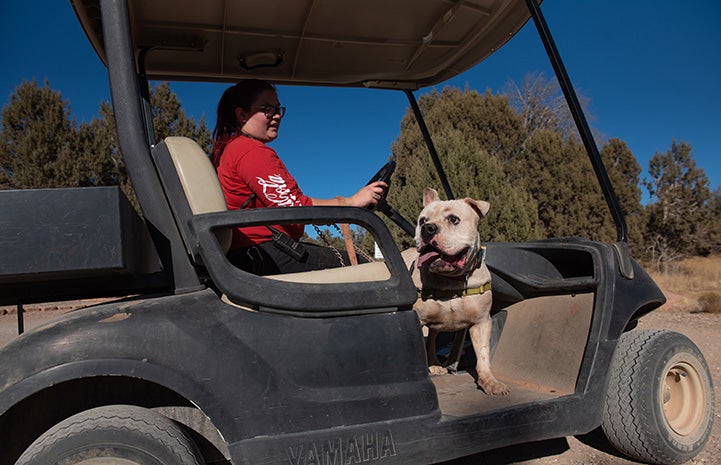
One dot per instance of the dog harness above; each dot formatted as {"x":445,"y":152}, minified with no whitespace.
{"x":438,"y":294}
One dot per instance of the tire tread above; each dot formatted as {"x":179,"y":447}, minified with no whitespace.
{"x":129,"y":418}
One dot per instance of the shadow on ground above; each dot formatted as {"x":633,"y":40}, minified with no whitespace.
{"x":522,"y":453}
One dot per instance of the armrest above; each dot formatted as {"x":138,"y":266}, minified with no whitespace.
{"x":308,"y":299}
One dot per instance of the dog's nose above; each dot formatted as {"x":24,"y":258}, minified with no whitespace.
{"x":429,"y":230}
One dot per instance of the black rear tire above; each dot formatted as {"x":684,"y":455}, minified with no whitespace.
{"x":660,"y":401}
{"x":127,"y":434}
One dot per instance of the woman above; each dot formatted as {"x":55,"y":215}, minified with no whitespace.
{"x":253,"y":176}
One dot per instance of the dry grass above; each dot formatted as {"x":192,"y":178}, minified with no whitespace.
{"x":710,"y":302}
{"x":693,"y":284}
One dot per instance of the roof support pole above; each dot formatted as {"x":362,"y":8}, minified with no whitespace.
{"x":621,"y":245}
{"x":144,"y":88}
{"x":580,"y":119}
{"x":429,"y":142}
{"x":135,"y":149}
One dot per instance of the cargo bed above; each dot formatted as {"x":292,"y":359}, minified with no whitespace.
{"x":61,"y":244}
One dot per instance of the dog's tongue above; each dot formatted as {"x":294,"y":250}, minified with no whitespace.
{"x":427,"y":256}
{"x":457,"y":261}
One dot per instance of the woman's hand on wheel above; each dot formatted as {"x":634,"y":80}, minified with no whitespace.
{"x":368,"y":196}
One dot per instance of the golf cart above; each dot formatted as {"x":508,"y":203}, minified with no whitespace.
{"x":206,"y":363}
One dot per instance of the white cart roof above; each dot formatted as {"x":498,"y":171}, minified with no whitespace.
{"x":376,"y":43}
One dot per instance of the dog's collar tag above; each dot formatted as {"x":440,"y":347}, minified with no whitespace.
{"x":480,"y":257}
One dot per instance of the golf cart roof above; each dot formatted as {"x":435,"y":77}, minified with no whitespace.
{"x":373,"y":43}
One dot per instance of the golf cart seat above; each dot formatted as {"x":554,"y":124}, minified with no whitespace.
{"x":188,"y":173}
{"x":186,"y":169}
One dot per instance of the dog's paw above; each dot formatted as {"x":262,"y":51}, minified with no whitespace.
{"x":437,"y":370}
{"x":494,"y":387}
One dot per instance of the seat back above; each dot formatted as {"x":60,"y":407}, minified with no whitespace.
{"x":186,"y":170}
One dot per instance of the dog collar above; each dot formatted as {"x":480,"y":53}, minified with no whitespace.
{"x":425,"y":294}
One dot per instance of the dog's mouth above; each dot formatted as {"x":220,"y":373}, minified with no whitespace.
{"x":430,"y":255}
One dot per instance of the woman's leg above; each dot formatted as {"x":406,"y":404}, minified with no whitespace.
{"x":266,"y":259}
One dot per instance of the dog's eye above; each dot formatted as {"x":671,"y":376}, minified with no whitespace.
{"x":422,"y":220}
{"x":453,"y":219}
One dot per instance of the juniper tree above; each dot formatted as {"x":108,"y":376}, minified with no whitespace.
{"x":169,"y":118}
{"x":41,"y":146}
{"x":37,"y":138}
{"x":678,"y":216}
{"x":559,"y":177}
{"x":714,"y":207}
{"x":624,"y":172}
{"x":473,"y":134}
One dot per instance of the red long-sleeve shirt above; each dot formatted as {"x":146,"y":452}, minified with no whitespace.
{"x":248,"y":166}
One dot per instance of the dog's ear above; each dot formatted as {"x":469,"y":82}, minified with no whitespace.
{"x":481,"y":207}
{"x":429,"y":195}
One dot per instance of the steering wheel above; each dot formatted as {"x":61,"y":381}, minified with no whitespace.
{"x":384,"y":174}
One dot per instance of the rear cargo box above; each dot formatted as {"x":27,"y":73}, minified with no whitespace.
{"x":62,"y":243}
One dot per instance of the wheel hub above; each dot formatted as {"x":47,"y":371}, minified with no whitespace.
{"x":683,"y":398}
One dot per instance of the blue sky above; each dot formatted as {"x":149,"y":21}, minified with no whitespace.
{"x":651,"y":69}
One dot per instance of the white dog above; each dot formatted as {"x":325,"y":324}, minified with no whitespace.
{"x":453,"y":281}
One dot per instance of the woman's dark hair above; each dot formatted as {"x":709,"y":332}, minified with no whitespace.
{"x":241,"y":95}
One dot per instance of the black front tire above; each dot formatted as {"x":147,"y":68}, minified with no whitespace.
{"x":660,"y":400}
{"x":123,"y":433}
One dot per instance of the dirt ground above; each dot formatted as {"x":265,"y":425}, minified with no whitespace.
{"x":591,"y":449}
